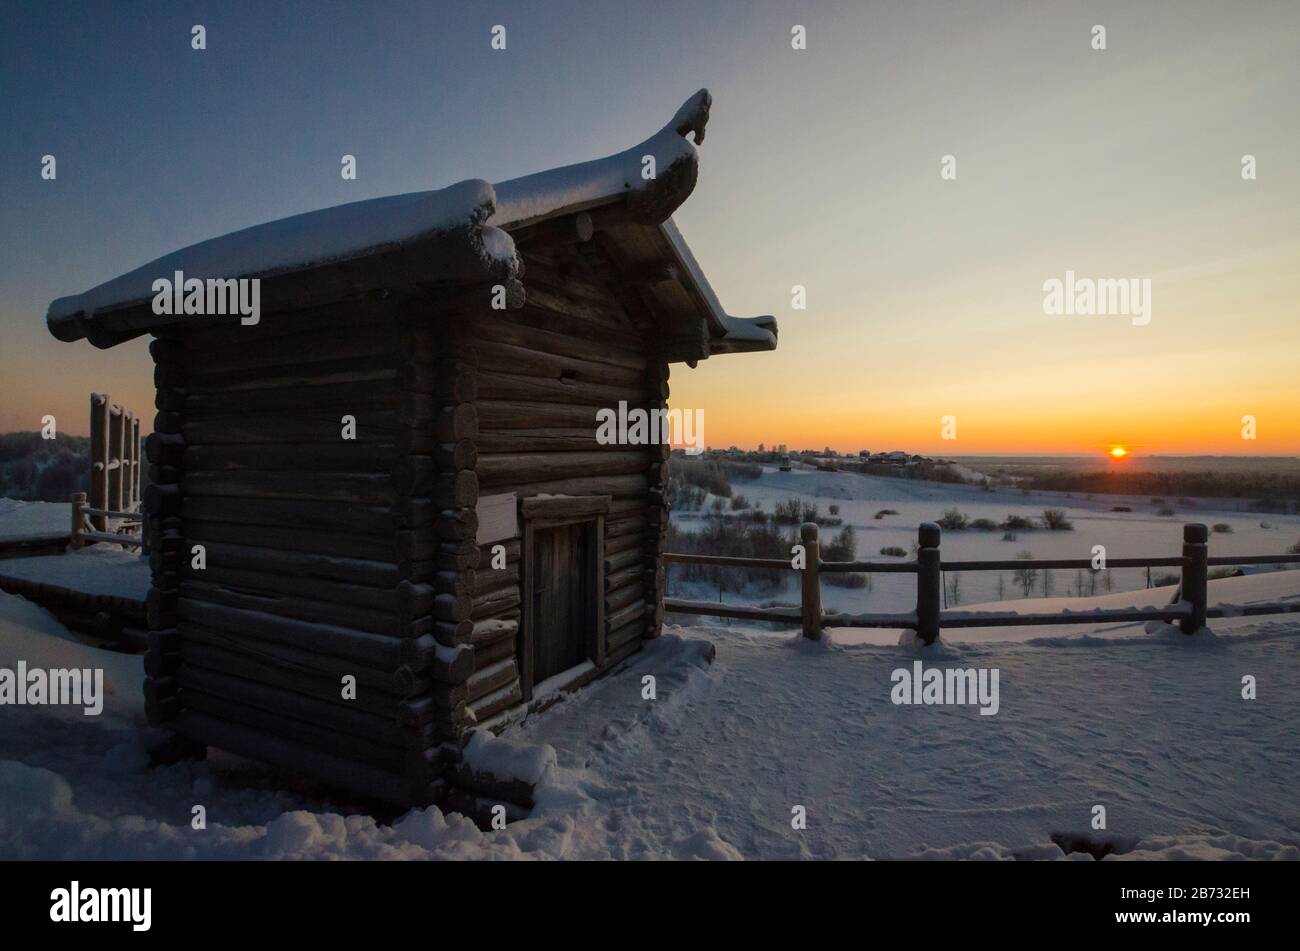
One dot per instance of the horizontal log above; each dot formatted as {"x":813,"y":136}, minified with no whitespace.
{"x":371,"y":488}
{"x":622,"y":543}
{"x":564,"y":281}
{"x":623,"y":576}
{"x":621,"y":598}
{"x":319,"y":345}
{"x":264,"y":561}
{"x":615,"y":486}
{"x":307,"y":425}
{"x":563,"y":390}
{"x":491,"y":678}
{"x":507,"y":358}
{"x":615,"y":656}
{"x":522,"y":414}
{"x":391,"y":683}
{"x":490,"y":705}
{"x":342,"y":516}
{"x":381,"y":369}
{"x":371,"y":751}
{"x":324,"y":685}
{"x":537,"y":439}
{"x":493,"y":579}
{"x":493,"y":630}
{"x":619,"y":636}
{"x":341,"y":772}
{"x":625,"y":615}
{"x":339,"y":456}
{"x":331,"y":711}
{"x":379,"y":314}
{"x":303,"y":608}
{"x":623,"y":559}
{"x":383,"y":548}
{"x":492,"y":603}
{"x":496,"y":470}
{"x":710,"y":609}
{"x":633,"y":524}
{"x":530,"y":336}
{"x":489,"y":653}
{"x":373,"y":650}
{"x":331,"y":399}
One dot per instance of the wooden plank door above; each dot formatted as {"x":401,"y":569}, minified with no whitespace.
{"x":562,"y":606}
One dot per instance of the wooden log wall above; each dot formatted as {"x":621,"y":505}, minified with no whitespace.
{"x":540,"y":374}
{"x":325,"y":557}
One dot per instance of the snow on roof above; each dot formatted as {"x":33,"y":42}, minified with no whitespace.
{"x":472,"y":215}
{"x":522,"y":201}
{"x":330,"y":235}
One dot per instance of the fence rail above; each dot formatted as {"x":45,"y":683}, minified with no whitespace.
{"x":84,"y":530}
{"x":1190,"y":611}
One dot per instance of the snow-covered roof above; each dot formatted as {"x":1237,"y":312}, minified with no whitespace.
{"x":461,"y":233}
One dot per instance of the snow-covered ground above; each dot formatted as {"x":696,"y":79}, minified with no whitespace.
{"x":97,"y":569}
{"x":1149,"y":724}
{"x":20,"y":519}
{"x":1124,"y":535}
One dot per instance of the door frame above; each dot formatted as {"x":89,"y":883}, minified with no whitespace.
{"x":554,"y":512}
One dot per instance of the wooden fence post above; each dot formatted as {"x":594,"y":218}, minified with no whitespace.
{"x":135,"y":465}
{"x":1196,"y":552}
{"x":78,"y":516}
{"x":99,"y":458}
{"x":929,"y":582}
{"x":810,"y":581}
{"x":116,"y":443}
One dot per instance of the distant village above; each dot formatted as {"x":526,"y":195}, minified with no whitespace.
{"x":826,"y":459}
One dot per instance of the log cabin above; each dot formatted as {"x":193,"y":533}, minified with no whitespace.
{"x":380,"y":518}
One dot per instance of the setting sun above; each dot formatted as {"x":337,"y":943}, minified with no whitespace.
{"x":1119,"y":452}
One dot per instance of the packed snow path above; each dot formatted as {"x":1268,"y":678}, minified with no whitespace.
{"x":1154,"y":729}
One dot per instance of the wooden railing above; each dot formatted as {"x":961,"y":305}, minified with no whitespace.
{"x":115,"y":469}
{"x":1190,"y":610}
{"x":84,"y":529}
{"x":114,"y":461}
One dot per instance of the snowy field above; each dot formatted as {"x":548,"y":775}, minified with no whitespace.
{"x":1149,"y":724}
{"x":1124,"y":534}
